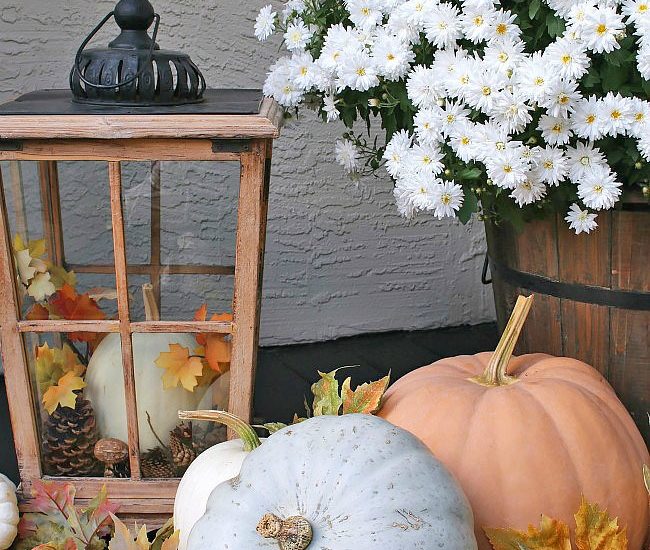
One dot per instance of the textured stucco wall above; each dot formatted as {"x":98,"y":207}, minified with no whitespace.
{"x":340,"y":261}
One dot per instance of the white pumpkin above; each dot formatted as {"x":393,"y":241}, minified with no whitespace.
{"x":352,"y":482}
{"x":9,"y":514}
{"x":211,"y":468}
{"x":105,"y":387}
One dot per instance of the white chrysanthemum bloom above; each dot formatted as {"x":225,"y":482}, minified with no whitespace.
{"x":643,"y":60}
{"x":601,"y":29}
{"x":365,"y":14}
{"x":357,"y":72}
{"x":265,"y":23}
{"x":398,"y":24}
{"x":555,"y":130}
{"x":445,"y":62}
{"x":511,"y":111}
{"x":598,"y":189}
{"x":583,"y":159}
{"x":417,"y":11}
{"x":451,"y":114}
{"x":442,"y":26}
{"x":503,"y":26}
{"x":534,"y":78}
{"x":460,"y":80}
{"x":329,"y":106}
{"x":569,"y":57}
{"x":561,"y":101}
{"x":483,"y":89}
{"x":280,"y":85}
{"x":640,"y":115}
{"x":578,"y":16}
{"x":428,"y":126}
{"x":507,"y":168}
{"x":417,"y":191}
{"x":476,"y":22}
{"x":426,"y":159}
{"x":528,"y":191}
{"x":581,"y":221}
{"x":347,"y":155}
{"x":297,"y":36}
{"x":587,"y":119}
{"x":447,"y":200}
{"x":551,"y":166}
{"x":491,"y":139}
{"x":503,"y":55}
{"x":397,"y":152}
{"x":637,"y":11}
{"x":392,"y":57}
{"x":403,"y":201}
{"x":462,"y":142}
{"x":561,"y":7}
{"x":616,"y":112}
{"x":643,"y":145}
{"x":480,"y":4}
{"x":304,"y":71}
{"x":424,"y":87}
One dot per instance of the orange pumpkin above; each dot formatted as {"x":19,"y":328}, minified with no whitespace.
{"x":528,"y":441}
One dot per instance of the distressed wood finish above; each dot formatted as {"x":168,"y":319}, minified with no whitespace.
{"x":121,"y":281}
{"x":615,"y":341}
{"x":114,"y":139}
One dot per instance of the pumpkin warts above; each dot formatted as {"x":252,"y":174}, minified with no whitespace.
{"x":294,"y":533}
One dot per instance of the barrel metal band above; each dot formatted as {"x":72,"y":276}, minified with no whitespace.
{"x":622,"y":299}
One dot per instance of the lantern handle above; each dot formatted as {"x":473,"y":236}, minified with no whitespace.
{"x":77,"y":61}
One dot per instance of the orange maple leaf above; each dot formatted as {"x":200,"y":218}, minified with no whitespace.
{"x":180,"y":366}
{"x":69,"y":305}
{"x":63,"y":394}
{"x":217,"y":346}
{"x":38,"y":313}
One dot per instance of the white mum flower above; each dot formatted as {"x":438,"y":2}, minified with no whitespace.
{"x":476,"y":22}
{"x":583,"y":159}
{"x":329,"y":106}
{"x":357,"y":72}
{"x":503,"y":55}
{"x":365,"y":14}
{"x":451,"y":115}
{"x":458,"y":82}
{"x":569,"y":57}
{"x":297,"y":36}
{"x":534,"y":78}
{"x":280,"y":85}
{"x":442,"y":25}
{"x":643,"y":60}
{"x":581,"y":221}
{"x":398,"y":24}
{"x":304,"y":71}
{"x":587,"y":120}
{"x":265,"y":23}
{"x":347,"y":155}
{"x":555,"y":130}
{"x":424,"y":87}
{"x":397,"y":152}
{"x":511,"y":110}
{"x":616,"y":112}
{"x":492,"y":139}
{"x":483,"y":89}
{"x":562,"y":100}
{"x":503,"y":26}
{"x":426,"y":159}
{"x":416,"y":192}
{"x":599,"y":189}
{"x":640,"y":114}
{"x":551,"y":166}
{"x":561,"y":7}
{"x":448,"y":198}
{"x":507,"y":168}
{"x":417,"y":11}
{"x":528,"y":191}
{"x":643,"y":145}
{"x":428,"y":126}
{"x":601,"y":28}
{"x":462,"y":141}
{"x":392,"y":56}
{"x":637,"y":11}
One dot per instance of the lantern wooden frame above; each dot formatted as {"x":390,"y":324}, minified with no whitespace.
{"x":246,"y":139}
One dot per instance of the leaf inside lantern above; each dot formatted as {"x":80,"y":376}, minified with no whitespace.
{"x":180,"y":367}
{"x":366,"y":399}
{"x":41,"y":287}
{"x":53,"y":363}
{"x":63,"y":393}
{"x":218,"y":347}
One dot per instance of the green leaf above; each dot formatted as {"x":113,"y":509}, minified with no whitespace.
{"x":272,"y":427}
{"x":327,"y":400}
{"x":533,"y":8}
{"x":366,"y":399}
{"x":469,"y":207}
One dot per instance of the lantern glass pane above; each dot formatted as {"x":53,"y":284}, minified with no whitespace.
{"x":178,"y":371}
{"x":60,"y":224}
{"x":181,"y":224}
{"x":79,"y":400}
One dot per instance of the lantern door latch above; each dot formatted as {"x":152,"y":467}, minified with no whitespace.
{"x":231,"y":146}
{"x":11,"y":145}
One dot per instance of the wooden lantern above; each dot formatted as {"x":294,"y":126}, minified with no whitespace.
{"x":48,"y":128}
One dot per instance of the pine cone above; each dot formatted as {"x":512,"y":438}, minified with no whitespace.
{"x":181,"y":447}
{"x":69,"y":437}
{"x":154,"y":463}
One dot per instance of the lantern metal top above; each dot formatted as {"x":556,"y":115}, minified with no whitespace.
{"x":133,"y":70}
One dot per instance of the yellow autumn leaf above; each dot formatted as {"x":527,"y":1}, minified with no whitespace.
{"x":53,"y":363}
{"x":61,"y":276}
{"x":41,"y":287}
{"x":366,"y":399}
{"x":172,"y":542}
{"x":62,"y":394}
{"x":180,"y":366}
{"x":596,"y":530}
{"x":23,"y":265}
{"x":551,"y":535}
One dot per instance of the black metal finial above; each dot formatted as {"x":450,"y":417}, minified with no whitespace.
{"x":133,"y":70}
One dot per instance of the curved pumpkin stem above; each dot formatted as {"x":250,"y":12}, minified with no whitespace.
{"x":245,"y":432}
{"x":496,"y":373}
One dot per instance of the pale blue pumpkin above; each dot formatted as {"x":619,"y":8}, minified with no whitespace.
{"x":359,"y":482}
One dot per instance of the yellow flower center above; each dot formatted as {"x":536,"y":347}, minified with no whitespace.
{"x":585,"y":161}
{"x":487,"y":90}
{"x":590,"y":119}
{"x":287,"y":89}
{"x":643,"y":8}
{"x":539,"y":81}
{"x":464,"y":79}
{"x":390,"y":57}
{"x":451,"y":118}
{"x":639,"y":117}
{"x":442,"y":25}
{"x":548,"y":164}
{"x":361,"y":71}
{"x":426,"y":125}
{"x":527,"y":185}
{"x":336,"y":56}
{"x":563,"y":99}
{"x":304,"y":71}
{"x":601,"y":29}
{"x":423,"y":191}
{"x":507,"y":169}
{"x":419,"y":6}
{"x":566,"y":59}
{"x":445,"y":198}
{"x":598,"y":189}
{"x":426,"y":159}
{"x":502,"y":28}
{"x":478,"y":20}
{"x":503,"y":57}
{"x":616,"y":114}
{"x":465,"y":140}
{"x":365,"y":11}
{"x":557,"y":128}
{"x":500,"y":146}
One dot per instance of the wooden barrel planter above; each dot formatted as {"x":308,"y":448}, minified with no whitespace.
{"x":593,"y":295}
